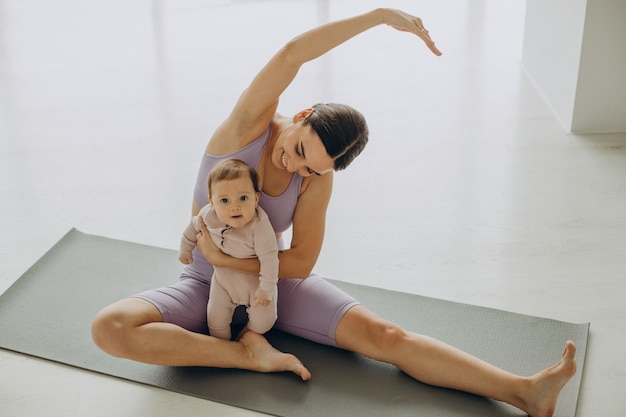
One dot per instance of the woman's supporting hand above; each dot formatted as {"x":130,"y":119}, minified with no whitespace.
{"x":207,"y":247}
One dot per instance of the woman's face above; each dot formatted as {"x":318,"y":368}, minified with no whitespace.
{"x":299,"y":149}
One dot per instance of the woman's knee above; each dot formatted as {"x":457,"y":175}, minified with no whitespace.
{"x":367,"y":333}
{"x":387,"y":335}
{"x":107,"y":330}
{"x":111,"y":328}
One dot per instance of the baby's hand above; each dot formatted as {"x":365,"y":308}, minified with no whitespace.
{"x":185,"y":260}
{"x":258,"y":301}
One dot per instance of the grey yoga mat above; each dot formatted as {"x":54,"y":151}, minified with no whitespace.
{"x":47,"y":314}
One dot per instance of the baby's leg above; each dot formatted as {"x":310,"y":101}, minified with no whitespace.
{"x":220,"y":311}
{"x":262,"y":318}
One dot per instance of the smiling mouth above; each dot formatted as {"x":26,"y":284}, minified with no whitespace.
{"x":283,"y":160}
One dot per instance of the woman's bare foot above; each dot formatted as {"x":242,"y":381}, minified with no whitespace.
{"x":546,"y":386}
{"x":267,"y":359}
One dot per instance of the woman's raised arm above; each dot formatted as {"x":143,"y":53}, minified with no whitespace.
{"x":258,"y":103}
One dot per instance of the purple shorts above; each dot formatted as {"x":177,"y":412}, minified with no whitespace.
{"x":309,"y":308}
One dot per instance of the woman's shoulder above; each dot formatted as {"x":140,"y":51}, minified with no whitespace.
{"x":234,"y":134}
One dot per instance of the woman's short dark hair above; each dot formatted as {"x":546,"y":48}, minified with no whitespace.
{"x":343,"y":131}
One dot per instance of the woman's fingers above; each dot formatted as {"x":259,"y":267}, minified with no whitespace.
{"x":424,"y":34}
{"x":407,"y":23}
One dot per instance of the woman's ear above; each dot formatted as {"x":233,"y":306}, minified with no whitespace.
{"x":303,"y":114}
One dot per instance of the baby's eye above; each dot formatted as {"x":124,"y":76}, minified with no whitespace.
{"x":224,"y":200}
{"x":243,"y":198}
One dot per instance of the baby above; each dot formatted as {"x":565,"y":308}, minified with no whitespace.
{"x":240,"y":228}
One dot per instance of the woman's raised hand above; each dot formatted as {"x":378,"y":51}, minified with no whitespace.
{"x":405,"y":22}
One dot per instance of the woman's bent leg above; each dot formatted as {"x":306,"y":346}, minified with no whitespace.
{"x":436,"y":363}
{"x":133,"y":328}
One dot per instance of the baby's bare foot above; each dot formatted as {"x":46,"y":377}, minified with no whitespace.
{"x":546,"y":386}
{"x":267,"y":359}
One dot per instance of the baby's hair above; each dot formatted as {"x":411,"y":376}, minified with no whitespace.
{"x":232,"y":169}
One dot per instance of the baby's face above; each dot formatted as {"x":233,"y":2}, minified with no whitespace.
{"x":234,"y":201}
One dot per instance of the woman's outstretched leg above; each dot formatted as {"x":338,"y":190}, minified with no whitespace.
{"x":436,"y":363}
{"x":133,"y":329}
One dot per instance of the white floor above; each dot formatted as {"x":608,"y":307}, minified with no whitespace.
{"x":105,"y":107}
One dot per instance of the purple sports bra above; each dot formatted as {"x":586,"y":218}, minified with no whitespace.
{"x":279,"y":209}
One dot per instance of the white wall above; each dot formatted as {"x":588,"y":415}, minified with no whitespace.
{"x":575,"y":53}
{"x":601,"y":95}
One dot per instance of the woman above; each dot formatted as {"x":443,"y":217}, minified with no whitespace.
{"x":299,"y":153}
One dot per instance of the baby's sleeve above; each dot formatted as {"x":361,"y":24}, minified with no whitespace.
{"x":188,"y":240}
